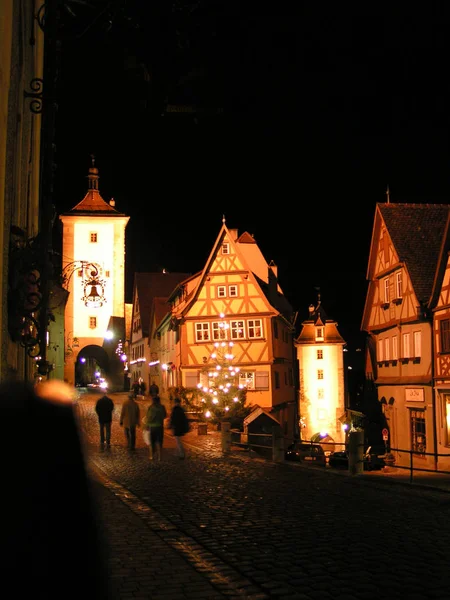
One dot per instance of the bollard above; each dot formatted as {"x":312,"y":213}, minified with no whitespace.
{"x":355,"y":451}
{"x":277,"y":444}
{"x":226,"y":437}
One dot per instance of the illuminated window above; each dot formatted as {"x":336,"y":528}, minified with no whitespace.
{"x":417,"y":344}
{"x":386,"y":290}
{"x":319,"y":334}
{"x":219,"y":331}
{"x":447,"y":416}
{"x":386,"y":349}
{"x":406,"y":345}
{"x":319,"y":373}
{"x":225,"y":248}
{"x":92,"y":322}
{"x":319,"y":354}
{"x":395,"y":348}
{"x":202,"y":332}
{"x":398,"y":285}
{"x":320,"y":394}
{"x":418,"y":431}
{"x":380,"y":356}
{"x":254,"y":328}
{"x":107,"y":274}
{"x":247,"y":378}
{"x":237,"y":330}
{"x":93,"y":238}
{"x":233,"y":291}
{"x":221,"y":291}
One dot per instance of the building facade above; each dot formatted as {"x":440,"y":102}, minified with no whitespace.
{"x":403,"y":315}
{"x":236,"y":299}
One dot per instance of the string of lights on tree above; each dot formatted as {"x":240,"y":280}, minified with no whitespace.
{"x":222,"y":396}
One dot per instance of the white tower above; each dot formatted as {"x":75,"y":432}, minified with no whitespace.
{"x":93,"y":262}
{"x":320,"y":349}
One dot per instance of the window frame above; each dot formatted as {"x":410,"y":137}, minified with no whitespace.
{"x":444,"y":336}
{"x":201,"y":328}
{"x":252,"y":325}
{"x":235,"y":327}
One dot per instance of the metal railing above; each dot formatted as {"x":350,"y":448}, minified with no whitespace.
{"x":265,"y":441}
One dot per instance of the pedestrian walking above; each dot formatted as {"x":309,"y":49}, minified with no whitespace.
{"x":156,"y":413}
{"x":104,"y":407}
{"x":129,"y":419}
{"x":142,"y":386}
{"x":153,"y":389}
{"x":180,"y":425}
{"x":136,"y":388}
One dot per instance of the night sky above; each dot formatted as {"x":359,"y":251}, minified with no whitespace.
{"x":303,"y":120}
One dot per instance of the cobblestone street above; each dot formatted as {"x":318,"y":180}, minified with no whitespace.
{"x":217,"y":526}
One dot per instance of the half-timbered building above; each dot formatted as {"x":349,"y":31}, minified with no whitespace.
{"x":147,"y":287}
{"x":405,"y":252}
{"x":236,"y":298}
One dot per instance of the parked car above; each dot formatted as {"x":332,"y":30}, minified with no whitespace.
{"x":371,"y":460}
{"x":308,"y":452}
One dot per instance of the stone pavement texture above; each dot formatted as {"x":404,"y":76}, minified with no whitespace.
{"x":215,"y":526}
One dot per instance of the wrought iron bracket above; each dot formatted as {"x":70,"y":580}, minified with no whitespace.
{"x":37,"y":95}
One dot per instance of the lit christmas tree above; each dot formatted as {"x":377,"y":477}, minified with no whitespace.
{"x":221,"y":394}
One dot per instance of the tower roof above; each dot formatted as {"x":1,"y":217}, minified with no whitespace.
{"x":93,"y":203}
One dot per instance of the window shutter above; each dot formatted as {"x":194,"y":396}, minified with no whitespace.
{"x":191,"y":379}
{"x":262,"y":380}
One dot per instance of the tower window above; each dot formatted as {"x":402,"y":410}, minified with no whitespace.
{"x":93,"y":237}
{"x":92,"y":322}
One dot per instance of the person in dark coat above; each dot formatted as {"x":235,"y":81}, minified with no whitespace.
{"x":51,"y":544}
{"x":130,"y":419}
{"x":179,"y":424}
{"x":104,"y":408}
{"x":153,"y":390}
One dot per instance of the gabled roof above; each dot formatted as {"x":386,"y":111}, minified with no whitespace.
{"x":153,"y":285}
{"x":160,"y":308}
{"x":417,"y":232}
{"x":253,"y":259}
{"x":257,"y":412}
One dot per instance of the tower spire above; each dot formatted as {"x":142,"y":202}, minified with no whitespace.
{"x":93,"y":175}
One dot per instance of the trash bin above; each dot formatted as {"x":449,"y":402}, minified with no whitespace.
{"x":202,"y":429}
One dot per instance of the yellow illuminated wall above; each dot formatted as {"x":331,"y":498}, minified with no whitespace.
{"x":321,"y":390}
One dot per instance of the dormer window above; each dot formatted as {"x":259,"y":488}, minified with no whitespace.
{"x":319,"y":334}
